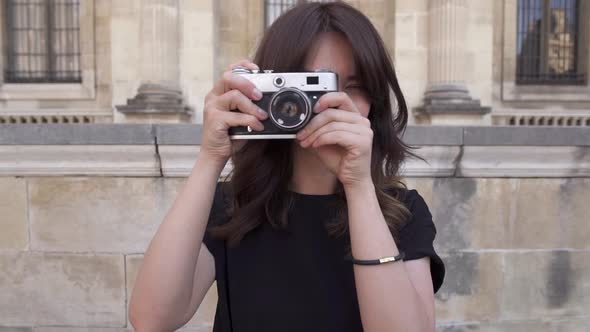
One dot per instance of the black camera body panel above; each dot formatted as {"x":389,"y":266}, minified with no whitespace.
{"x":270,"y":128}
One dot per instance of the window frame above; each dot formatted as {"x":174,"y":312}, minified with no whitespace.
{"x":544,"y":48}
{"x":511,"y":91}
{"x":52,"y":71}
{"x":84,"y":90}
{"x":266,"y":3}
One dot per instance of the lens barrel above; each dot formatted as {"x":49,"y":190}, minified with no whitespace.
{"x":290,"y":108}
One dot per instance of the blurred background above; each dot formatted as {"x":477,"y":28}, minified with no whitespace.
{"x":100,"y":110}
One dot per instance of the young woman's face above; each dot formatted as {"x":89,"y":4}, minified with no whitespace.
{"x":333,"y":51}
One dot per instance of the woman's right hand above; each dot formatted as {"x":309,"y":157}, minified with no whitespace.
{"x":230,"y":92}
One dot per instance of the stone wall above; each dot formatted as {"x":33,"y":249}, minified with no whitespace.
{"x":515,"y":243}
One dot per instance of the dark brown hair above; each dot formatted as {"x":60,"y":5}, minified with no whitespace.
{"x":262,"y":170}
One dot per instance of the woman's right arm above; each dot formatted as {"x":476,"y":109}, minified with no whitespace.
{"x":177,"y":271}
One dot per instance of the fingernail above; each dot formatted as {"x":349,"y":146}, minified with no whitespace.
{"x":262,"y":112}
{"x":301,"y":134}
{"x":316,"y":107}
{"x":257,"y":94}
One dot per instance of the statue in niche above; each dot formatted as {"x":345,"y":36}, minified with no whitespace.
{"x":560,"y":45}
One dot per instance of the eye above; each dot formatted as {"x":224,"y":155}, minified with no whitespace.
{"x":354,"y":85}
{"x":355,"y":88}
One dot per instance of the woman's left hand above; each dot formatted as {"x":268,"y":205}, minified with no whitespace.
{"x":342,"y":138}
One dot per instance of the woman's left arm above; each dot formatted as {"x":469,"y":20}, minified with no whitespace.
{"x":395,"y":296}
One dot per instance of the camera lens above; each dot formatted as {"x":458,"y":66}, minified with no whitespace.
{"x":289,"y":108}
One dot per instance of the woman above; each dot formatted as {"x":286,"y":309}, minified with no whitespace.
{"x":282,"y":232}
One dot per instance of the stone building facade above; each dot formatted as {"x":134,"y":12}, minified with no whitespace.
{"x":506,"y":178}
{"x":458,"y":61}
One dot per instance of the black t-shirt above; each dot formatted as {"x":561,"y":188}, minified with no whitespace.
{"x":299,"y":280}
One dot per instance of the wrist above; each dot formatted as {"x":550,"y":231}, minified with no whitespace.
{"x":362,"y":187}
{"x":208,"y":163}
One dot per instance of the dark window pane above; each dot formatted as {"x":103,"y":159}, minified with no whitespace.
{"x":547,"y":42}
{"x":42,"y":41}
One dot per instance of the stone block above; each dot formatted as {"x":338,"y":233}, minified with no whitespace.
{"x":125,"y":8}
{"x":453,"y":209}
{"x":438,"y":161}
{"x":98,"y":214}
{"x":414,"y":94}
{"x":379,"y":12}
{"x":80,"y":329}
{"x":411,"y":65}
{"x":179,"y":160}
{"x":62,"y":290}
{"x":505,"y":213}
{"x":422,"y":136}
{"x":564,"y":214}
{"x":195,"y":329}
{"x":15,"y":329}
{"x":411,"y":6}
{"x":181,"y":134}
{"x":573,"y":325}
{"x":80,"y":134}
{"x":496,"y":327}
{"x":573,"y":212}
{"x":422,"y":31}
{"x":536,"y":223}
{"x":568,"y":325}
{"x":202,"y":320}
{"x":493,"y":211}
{"x":405,"y":24}
{"x":470,"y":289}
{"x":13,"y":214}
{"x":545,"y":285}
{"x":102,"y":160}
{"x":527,"y":136}
{"x":524,"y":161}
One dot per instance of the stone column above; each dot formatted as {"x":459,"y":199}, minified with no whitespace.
{"x":159,"y":98}
{"x":447,"y":99}
{"x":239,"y":28}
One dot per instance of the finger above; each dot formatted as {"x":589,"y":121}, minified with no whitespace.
{"x":345,"y":139}
{"x":234,"y":99}
{"x":339,"y":100}
{"x":231,"y":81}
{"x":332,"y":126}
{"x":330,"y":115}
{"x":234,"y":119}
{"x":243,"y":63}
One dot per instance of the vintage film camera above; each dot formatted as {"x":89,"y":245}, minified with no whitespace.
{"x":288,"y":98}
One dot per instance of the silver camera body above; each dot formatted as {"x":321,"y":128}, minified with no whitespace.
{"x":288,"y":98}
